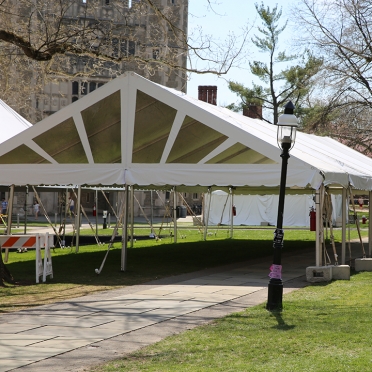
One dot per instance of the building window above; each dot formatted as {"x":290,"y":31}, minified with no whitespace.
{"x":127,"y":48}
{"x":167,"y":195}
{"x":75,"y":87}
{"x":195,"y":195}
{"x":82,"y":88}
{"x":92,"y":86}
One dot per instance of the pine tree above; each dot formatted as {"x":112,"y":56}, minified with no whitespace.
{"x":294,"y":82}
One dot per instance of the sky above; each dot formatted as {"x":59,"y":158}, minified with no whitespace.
{"x":233,"y":16}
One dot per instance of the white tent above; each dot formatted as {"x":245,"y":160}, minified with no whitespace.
{"x":256,"y":210}
{"x":11,"y":122}
{"x":138,"y":133}
{"x":132,"y":131}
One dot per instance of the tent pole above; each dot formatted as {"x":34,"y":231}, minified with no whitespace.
{"x":9,"y":220}
{"x":65,"y":217}
{"x":131,"y":215}
{"x":232,"y":214}
{"x":318,"y":255}
{"x":10,"y":210}
{"x":124,"y":237}
{"x":78,"y":219}
{"x":207,"y":219}
{"x":343,"y":232}
{"x":26,"y":199}
{"x":174,"y":214}
{"x":96,"y":204}
{"x":370,"y":225}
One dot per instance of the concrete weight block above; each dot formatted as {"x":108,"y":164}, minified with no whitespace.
{"x":317,"y":274}
{"x":341,"y":272}
{"x":363,"y":264}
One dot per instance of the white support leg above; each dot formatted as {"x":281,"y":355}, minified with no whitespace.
{"x":318,"y":245}
{"x":343,"y":232}
{"x":125,"y":232}
{"x":370,"y":225}
{"x":174,"y":215}
{"x":78,"y":218}
{"x":232,"y":214}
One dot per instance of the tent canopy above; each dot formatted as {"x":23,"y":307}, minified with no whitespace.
{"x":132,"y":131}
{"x":12,"y":123}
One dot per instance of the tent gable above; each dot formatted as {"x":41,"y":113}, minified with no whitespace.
{"x":65,"y":140}
{"x":194,"y":141}
{"x":102,"y":123}
{"x":22,"y":155}
{"x":152,"y":125}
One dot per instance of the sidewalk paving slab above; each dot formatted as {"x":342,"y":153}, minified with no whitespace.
{"x":77,"y":334}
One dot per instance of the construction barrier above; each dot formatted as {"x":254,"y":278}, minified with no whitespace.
{"x":37,"y":241}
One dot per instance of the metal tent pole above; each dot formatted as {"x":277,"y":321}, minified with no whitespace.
{"x":343,"y":232}
{"x":10,"y":210}
{"x":175,"y":214}
{"x":124,"y":238}
{"x":131,"y":215}
{"x":370,"y":225}
{"x":232,"y":214}
{"x":78,"y":219}
{"x":207,"y":219}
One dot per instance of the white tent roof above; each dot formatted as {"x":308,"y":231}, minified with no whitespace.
{"x":11,"y":122}
{"x":133,"y":131}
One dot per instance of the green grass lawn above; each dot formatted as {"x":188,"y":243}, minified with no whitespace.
{"x":323,"y":327}
{"x":149,"y":259}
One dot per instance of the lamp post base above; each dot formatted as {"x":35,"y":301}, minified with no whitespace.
{"x":275,"y":295}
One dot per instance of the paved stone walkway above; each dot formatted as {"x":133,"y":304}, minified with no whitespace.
{"x":82,"y":332}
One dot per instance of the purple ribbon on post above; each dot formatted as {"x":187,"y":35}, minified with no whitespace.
{"x":275,"y":271}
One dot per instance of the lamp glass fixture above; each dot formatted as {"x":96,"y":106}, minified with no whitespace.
{"x":287,"y":126}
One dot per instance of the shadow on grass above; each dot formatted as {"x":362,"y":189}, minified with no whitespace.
{"x":282,"y":325}
{"x":147,"y":263}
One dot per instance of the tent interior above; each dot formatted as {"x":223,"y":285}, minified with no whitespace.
{"x":136,"y":133}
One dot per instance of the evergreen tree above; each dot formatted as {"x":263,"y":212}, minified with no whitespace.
{"x":294,"y":82}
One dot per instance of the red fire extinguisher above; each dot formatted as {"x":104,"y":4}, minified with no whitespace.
{"x":312,"y":219}
{"x":234,"y":210}
{"x":94,"y":210}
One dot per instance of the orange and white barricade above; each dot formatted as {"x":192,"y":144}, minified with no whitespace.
{"x":37,"y":241}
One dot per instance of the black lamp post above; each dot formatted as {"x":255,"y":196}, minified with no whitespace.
{"x":287,"y":125}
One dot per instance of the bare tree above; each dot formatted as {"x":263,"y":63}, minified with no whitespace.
{"x":340,"y":32}
{"x":46,"y":30}
{"x":42,"y":40}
